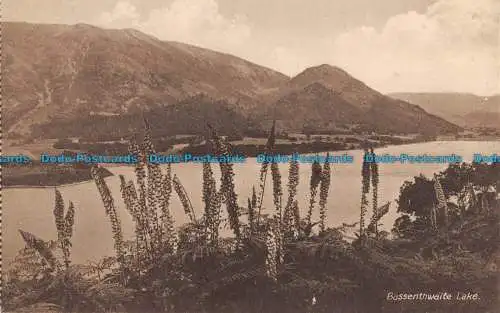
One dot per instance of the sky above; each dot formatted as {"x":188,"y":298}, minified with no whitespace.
{"x":392,"y":45}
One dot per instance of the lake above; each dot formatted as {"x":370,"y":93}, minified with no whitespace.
{"x":30,"y":209}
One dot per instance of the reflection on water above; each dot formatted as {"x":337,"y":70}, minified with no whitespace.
{"x":30,"y":209}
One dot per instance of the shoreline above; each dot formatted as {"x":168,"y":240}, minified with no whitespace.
{"x":69,"y":184}
{"x":47,"y":186}
{"x":51,"y":186}
{"x":107,"y":165}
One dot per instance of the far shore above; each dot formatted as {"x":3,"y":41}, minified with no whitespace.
{"x":108,"y":166}
{"x":46,"y":187}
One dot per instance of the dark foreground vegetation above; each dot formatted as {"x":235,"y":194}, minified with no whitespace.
{"x":278,"y":259}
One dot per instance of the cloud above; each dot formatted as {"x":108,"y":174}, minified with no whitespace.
{"x":453,"y":46}
{"x":124,"y":14}
{"x":196,"y":22}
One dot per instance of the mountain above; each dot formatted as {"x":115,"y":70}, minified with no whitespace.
{"x":81,"y":80}
{"x":62,"y":71}
{"x":467,"y":110}
{"x":326,"y":97}
{"x":314,"y":106}
{"x":351,"y":89}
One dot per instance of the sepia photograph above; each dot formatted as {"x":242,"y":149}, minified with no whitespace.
{"x":250,"y":156}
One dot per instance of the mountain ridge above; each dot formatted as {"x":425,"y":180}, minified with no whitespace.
{"x":365,"y":108}
{"x":464,"y":109}
{"x":108,"y":70}
{"x":56,"y":72}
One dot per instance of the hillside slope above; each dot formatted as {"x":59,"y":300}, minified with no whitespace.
{"x":64,"y":71}
{"x":326,"y":97}
{"x":466,"y":110}
{"x":61,"y":80}
{"x":186,"y":117}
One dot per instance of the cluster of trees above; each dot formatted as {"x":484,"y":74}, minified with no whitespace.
{"x":468,"y":190}
{"x":278,"y":259}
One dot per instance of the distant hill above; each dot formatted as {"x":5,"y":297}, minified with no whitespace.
{"x":351,"y":89}
{"x":466,"y":110}
{"x":326,"y":97}
{"x":81,"y":80}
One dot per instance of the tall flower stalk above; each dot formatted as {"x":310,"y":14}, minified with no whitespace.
{"x":211,"y":199}
{"x":316,"y":174}
{"x":277,"y":191}
{"x":64,"y":220}
{"x":277,"y":197}
{"x":291,"y":224}
{"x":59,"y":215}
{"x":271,"y":140}
{"x":169,"y":234}
{"x":323,"y":193}
{"x":252,"y":211}
{"x":441,"y":200}
{"x":365,"y":189}
{"x":141,"y":195}
{"x":272,"y":252}
{"x":228,"y":192}
{"x":69,"y":221}
{"x":375,"y":180}
{"x":184,"y":198}
{"x":154,"y":190}
{"x":110,"y":209}
{"x":130,"y":200}
{"x":149,"y":203}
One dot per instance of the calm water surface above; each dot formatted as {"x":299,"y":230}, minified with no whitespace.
{"x":30,"y":209}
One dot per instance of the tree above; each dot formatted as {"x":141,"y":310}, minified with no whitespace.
{"x":416,"y":197}
{"x":468,"y":188}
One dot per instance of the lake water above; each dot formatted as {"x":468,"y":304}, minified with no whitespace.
{"x":30,"y":209}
